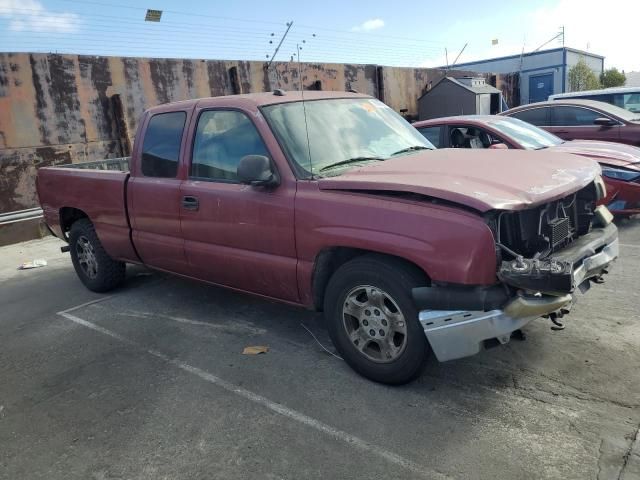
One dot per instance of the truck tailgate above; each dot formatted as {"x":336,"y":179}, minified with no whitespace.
{"x":100,"y":194}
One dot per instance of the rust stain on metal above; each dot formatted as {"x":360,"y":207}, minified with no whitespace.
{"x":200,"y":79}
{"x":96,"y":78}
{"x":165,"y":79}
{"x":40,"y":82}
{"x":218,"y":79}
{"x":69,"y":124}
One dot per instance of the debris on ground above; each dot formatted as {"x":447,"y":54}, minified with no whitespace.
{"x":320,"y":343}
{"x":255,"y":350}
{"x":37,"y":263}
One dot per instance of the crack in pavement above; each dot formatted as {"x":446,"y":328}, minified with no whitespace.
{"x":576,"y":396}
{"x":515,"y":385}
{"x":534,"y":376}
{"x":600,"y":455}
{"x":627,"y":455}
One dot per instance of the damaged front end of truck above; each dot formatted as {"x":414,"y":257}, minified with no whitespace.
{"x":545,"y":254}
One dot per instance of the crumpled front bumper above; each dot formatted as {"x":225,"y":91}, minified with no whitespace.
{"x":567,"y":269}
{"x":460,"y":333}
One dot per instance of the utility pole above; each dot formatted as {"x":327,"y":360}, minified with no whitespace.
{"x":279,"y":44}
{"x":456,"y":60}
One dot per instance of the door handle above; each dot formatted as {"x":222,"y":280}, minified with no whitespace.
{"x":190,"y":203}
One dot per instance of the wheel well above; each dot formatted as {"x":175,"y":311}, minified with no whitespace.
{"x":330,"y":259}
{"x":68,"y":216}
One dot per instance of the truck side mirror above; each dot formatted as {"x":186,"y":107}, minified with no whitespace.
{"x":605,"y":122}
{"x":257,"y":170}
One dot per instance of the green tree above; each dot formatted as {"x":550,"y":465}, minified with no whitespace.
{"x":581,"y":77}
{"x":612,"y":78}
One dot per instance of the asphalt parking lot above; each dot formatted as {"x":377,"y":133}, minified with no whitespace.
{"x":150,"y":383}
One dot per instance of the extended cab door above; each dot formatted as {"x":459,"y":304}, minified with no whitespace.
{"x":237,"y":235}
{"x":154,"y":192}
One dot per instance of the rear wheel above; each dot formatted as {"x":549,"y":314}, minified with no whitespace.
{"x":372,"y":320}
{"x":95,"y":268}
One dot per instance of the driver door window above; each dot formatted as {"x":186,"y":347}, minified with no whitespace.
{"x":222,"y":138}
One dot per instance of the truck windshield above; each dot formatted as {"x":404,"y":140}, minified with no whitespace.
{"x":326,"y":137}
{"x":528,"y":136}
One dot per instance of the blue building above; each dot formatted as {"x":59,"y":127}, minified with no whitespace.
{"x":542,"y":73}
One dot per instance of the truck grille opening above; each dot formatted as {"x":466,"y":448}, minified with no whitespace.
{"x":560,"y":231}
{"x":544,"y":229}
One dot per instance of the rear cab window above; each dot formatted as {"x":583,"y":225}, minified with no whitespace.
{"x":161,"y":145}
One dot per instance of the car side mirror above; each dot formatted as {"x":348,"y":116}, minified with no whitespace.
{"x":605,"y":122}
{"x":257,"y":170}
{"x":498,"y":146}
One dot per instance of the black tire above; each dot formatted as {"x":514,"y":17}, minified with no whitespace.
{"x":395,"y":279}
{"x":108,"y":273}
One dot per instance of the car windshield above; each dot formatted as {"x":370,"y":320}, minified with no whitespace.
{"x":326,"y":137}
{"x":528,"y":136}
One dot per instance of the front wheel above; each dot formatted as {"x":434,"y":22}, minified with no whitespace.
{"x":372,"y":320}
{"x":95,"y":268}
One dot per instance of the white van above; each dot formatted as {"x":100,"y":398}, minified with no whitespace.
{"x":623,"y":97}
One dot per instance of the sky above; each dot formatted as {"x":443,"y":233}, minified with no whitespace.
{"x":408,"y":33}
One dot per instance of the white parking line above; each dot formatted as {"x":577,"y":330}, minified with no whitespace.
{"x":627,"y":245}
{"x":85,"y":304}
{"x":265,"y":402}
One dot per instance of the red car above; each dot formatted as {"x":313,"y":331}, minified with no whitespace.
{"x":620,"y":163}
{"x":582,"y":120}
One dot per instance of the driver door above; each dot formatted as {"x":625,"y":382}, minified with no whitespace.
{"x":236,"y":235}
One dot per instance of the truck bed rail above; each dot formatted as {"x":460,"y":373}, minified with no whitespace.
{"x":121,"y":164}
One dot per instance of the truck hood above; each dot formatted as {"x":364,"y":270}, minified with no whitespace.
{"x":615,"y":154}
{"x":480,"y":179}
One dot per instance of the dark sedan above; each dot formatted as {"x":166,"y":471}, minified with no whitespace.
{"x":582,"y":120}
{"x":620,"y":163}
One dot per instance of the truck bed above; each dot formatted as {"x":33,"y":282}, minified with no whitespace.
{"x":96,"y":190}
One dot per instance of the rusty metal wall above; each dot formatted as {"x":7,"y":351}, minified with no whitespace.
{"x":57,"y":109}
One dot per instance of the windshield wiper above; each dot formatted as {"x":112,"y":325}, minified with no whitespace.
{"x":410,"y":149}
{"x":350,"y":160}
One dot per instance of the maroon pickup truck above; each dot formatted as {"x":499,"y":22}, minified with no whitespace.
{"x":333,"y":202}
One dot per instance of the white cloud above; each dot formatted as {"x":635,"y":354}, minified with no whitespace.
{"x":368,"y":25}
{"x":31,"y":15}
